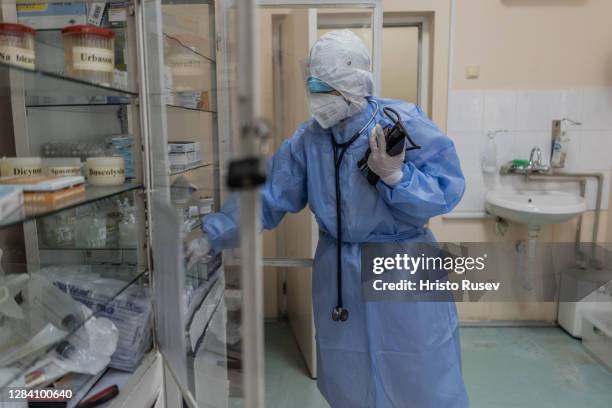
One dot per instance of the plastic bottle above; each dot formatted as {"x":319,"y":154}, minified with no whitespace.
{"x":488,"y":157}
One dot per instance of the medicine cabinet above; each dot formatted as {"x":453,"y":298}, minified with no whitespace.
{"x":95,"y":286}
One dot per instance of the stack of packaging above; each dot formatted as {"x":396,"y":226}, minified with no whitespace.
{"x":130,"y":311}
{"x":184,"y":155}
{"x":132,"y":316}
{"x":192,"y":100}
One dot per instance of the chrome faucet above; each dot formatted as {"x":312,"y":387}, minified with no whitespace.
{"x":535,"y":161}
{"x":534,"y":165}
{"x":535,"y":157}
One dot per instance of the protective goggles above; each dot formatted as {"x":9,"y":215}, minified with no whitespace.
{"x":317,"y":86}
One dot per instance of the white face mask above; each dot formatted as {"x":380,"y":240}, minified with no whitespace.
{"x":328,"y":109}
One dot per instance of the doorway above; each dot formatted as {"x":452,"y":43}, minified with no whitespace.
{"x":285,"y":40}
{"x":405,"y":51}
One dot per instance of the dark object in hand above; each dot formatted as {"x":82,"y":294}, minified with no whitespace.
{"x":396,"y":137}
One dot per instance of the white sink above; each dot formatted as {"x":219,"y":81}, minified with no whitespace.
{"x":534,"y":207}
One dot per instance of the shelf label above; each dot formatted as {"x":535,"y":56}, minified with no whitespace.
{"x":20,"y":57}
{"x":93,"y":59}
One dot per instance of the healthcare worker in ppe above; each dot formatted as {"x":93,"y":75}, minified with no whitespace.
{"x":370,"y":354}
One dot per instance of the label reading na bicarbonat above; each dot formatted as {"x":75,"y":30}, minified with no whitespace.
{"x":93,"y":59}
{"x":20,"y":57}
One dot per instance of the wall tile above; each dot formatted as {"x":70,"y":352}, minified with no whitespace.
{"x":592,"y":191}
{"x":465,"y":111}
{"x":597,"y":109}
{"x":499,"y":110}
{"x":473,"y":199}
{"x":505,"y":147}
{"x":595,"y":150}
{"x":524,"y":141}
{"x":535,"y":110}
{"x":572,"y":104}
{"x":573,"y":159}
{"x":468,"y":145}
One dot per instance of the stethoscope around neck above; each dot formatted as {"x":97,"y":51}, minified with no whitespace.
{"x":339,"y":313}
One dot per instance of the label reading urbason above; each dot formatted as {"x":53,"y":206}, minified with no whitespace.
{"x":93,"y":59}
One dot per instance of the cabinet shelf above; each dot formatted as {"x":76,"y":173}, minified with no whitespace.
{"x":91,"y":194}
{"x":190,"y":168}
{"x":179,"y":2}
{"x":45,"y":311}
{"x":131,"y":385}
{"x":189,"y":49}
{"x":46,"y":86}
{"x":114,"y":26}
{"x":63,"y":102}
{"x":78,"y":248}
{"x":172,"y":106}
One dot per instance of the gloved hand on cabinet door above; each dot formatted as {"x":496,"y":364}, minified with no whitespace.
{"x":197,"y":251}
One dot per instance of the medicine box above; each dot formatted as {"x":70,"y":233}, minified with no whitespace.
{"x":183,"y":147}
{"x":184,"y":159}
{"x":183,"y":155}
{"x":193,"y":100}
{"x":51,"y":15}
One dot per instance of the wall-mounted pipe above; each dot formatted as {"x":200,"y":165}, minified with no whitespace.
{"x":580,"y":178}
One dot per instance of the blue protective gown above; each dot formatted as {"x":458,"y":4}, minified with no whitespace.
{"x":387,"y":354}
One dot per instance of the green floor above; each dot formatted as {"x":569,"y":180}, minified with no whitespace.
{"x":288,"y":383}
{"x":502,"y":367}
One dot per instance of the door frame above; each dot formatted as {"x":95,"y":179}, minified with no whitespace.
{"x":377,"y":18}
{"x":423,"y":22}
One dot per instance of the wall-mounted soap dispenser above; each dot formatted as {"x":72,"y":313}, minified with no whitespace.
{"x":560,"y":141}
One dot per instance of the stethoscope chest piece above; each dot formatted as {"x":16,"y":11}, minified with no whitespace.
{"x":339,"y":314}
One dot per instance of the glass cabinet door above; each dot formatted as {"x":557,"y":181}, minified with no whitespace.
{"x":192,"y":116}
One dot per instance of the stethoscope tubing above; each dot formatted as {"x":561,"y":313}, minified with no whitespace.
{"x":339,"y":313}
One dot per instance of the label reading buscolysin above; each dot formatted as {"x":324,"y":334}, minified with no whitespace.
{"x":106,"y":172}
